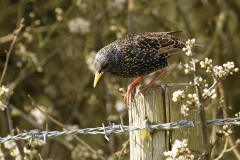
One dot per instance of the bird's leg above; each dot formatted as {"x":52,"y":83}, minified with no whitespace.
{"x":152,"y":83}
{"x":128,"y":95}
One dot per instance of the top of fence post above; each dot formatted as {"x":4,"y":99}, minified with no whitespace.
{"x":158,"y":107}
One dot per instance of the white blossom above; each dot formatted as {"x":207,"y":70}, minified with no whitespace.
{"x":206,"y":63}
{"x":193,"y":99}
{"x":59,"y":13}
{"x":81,"y":152}
{"x":9,"y":144}
{"x":31,"y":14}
{"x":225,"y":132}
{"x":212,"y":94}
{"x":193,"y":41}
{"x":78,"y":3}
{"x":2,"y":106}
{"x":178,"y":95}
{"x":15,"y":152}
{"x":120,"y":106}
{"x":218,"y":72}
{"x":79,"y":25}
{"x":58,"y":10}
{"x":37,"y":142}
{"x":26,"y":56}
{"x":3,"y":91}
{"x":187,"y":68}
{"x":188,"y":48}
{"x":26,"y":151}
{"x":237,"y":115}
{"x":189,"y":53}
{"x":37,"y":22}
{"x":116,"y":4}
{"x":28,"y":36}
{"x":180,"y":151}
{"x":39,"y":116}
{"x":184,"y":110}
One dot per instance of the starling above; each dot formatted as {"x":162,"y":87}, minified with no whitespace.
{"x":136,"y":55}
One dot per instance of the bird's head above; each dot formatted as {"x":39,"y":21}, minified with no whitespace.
{"x":107,"y":59}
{"x":102,"y":63}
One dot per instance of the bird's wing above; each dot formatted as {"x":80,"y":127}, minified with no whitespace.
{"x":150,"y":45}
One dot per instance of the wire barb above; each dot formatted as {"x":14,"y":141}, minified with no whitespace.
{"x":46,"y":133}
{"x":105,"y":132}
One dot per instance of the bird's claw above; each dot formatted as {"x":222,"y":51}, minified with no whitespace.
{"x":128,"y":95}
{"x":127,"y":100}
{"x":147,"y":87}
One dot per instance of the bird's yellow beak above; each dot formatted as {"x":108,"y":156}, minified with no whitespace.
{"x":97,"y":77}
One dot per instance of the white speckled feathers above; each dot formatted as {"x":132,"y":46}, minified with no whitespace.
{"x":138,"y":54}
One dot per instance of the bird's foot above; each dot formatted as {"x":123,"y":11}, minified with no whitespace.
{"x":128,"y":96}
{"x":147,"y":87}
{"x":151,"y":84}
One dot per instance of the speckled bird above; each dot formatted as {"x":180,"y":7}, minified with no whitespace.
{"x":137,"y":54}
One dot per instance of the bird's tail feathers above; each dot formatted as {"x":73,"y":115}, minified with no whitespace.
{"x":173,"y":32}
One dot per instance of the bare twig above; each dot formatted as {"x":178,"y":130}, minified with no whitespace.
{"x":56,"y":51}
{"x":1,"y":152}
{"x":19,"y":145}
{"x":9,"y":118}
{"x":16,"y":32}
{"x":40,"y":156}
{"x":218,"y":138}
{"x":123,"y":152}
{"x":235,"y":151}
{"x":232,"y":148}
{"x":40,"y":29}
{"x":222,"y":97}
{"x":26,"y":117}
{"x":214,"y":128}
{"x":10,"y":122}
{"x":206,"y":144}
{"x":223,"y":151}
{"x":225,"y":115}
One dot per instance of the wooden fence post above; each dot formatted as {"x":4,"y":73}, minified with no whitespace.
{"x":158,"y":108}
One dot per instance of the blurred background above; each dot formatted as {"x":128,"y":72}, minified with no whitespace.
{"x":53,"y":57}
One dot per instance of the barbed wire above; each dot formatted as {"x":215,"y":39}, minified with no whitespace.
{"x":117,"y":129}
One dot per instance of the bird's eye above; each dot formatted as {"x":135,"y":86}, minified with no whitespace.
{"x":105,"y":66}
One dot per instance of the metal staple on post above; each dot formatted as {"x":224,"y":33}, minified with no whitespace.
{"x":145,"y":124}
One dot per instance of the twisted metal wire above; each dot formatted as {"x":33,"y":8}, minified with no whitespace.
{"x":116,"y":129}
